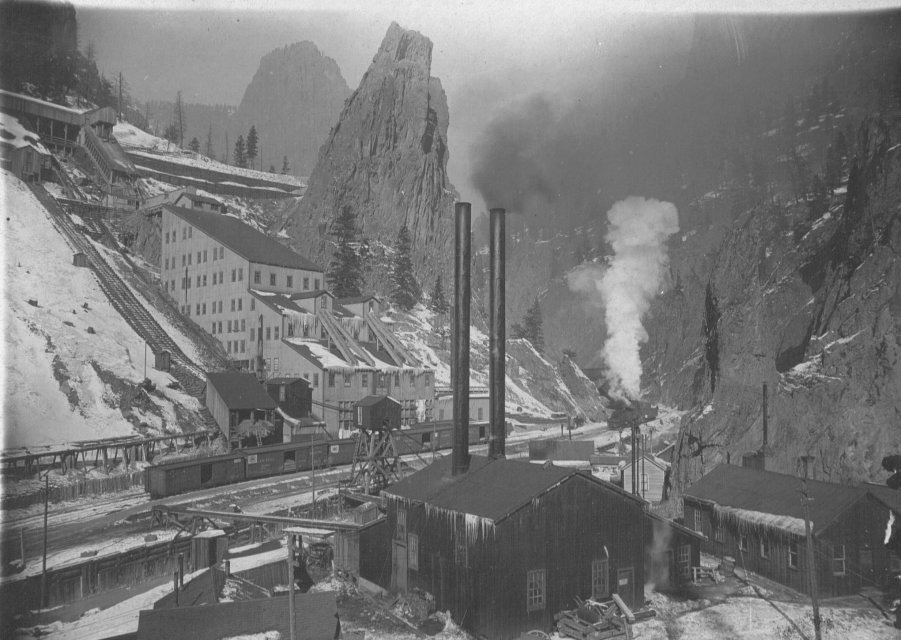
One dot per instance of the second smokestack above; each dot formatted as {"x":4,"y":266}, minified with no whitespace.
{"x":462,"y":251}
{"x":497,"y":338}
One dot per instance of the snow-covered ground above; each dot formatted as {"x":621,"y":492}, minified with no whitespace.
{"x":52,"y":391}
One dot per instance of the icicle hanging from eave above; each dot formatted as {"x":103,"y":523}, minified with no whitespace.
{"x":476,"y":526}
{"x":353,"y":325}
{"x":303,"y":324}
{"x":769,"y":524}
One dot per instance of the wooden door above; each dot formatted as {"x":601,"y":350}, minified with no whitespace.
{"x":399,"y":567}
{"x":625,"y":585}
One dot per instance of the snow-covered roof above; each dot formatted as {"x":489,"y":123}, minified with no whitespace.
{"x":15,"y":134}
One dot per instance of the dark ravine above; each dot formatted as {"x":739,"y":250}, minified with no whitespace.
{"x":386,"y":159}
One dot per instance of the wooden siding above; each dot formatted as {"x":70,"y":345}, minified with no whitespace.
{"x":561,"y":532}
{"x":656,"y":477}
{"x":859,"y":528}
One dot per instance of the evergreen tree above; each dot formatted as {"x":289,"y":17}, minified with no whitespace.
{"x":252,"y":146}
{"x":531,"y":328}
{"x":208,"y":149}
{"x":240,"y":154}
{"x":179,"y":119}
{"x":285,"y":166}
{"x":437,"y":300}
{"x":406,"y":291}
{"x":345,"y":271}
{"x":194,"y":145}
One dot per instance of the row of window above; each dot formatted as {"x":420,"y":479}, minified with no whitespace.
{"x":271,"y":333}
{"x":231,"y":326}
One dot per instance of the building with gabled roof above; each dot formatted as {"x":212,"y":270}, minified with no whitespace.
{"x":757,"y":517}
{"x":653,"y":478}
{"x":507,"y":544}
{"x":234,"y":396}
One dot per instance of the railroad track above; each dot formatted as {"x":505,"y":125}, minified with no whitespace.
{"x":189,"y":374}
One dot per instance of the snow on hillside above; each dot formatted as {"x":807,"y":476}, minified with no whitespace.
{"x":70,"y":357}
{"x":145,"y":144}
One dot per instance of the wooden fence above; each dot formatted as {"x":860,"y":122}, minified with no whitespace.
{"x":76,"y":489}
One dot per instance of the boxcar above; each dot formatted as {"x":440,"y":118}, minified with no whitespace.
{"x":189,"y":475}
{"x":341,"y":451}
{"x":265,"y":461}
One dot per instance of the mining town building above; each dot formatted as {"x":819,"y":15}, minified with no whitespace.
{"x":757,"y":518}
{"x":507,"y":544}
{"x":234,"y":396}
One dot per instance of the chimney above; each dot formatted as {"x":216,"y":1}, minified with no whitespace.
{"x":497,"y":338}
{"x":462,"y":242}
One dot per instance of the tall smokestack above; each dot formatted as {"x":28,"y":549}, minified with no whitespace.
{"x":462,"y":250}
{"x":497,"y":339}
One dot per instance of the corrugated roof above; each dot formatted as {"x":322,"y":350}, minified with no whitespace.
{"x":243,"y":239}
{"x":774,"y":493}
{"x":241,"y":390}
{"x":491,"y":489}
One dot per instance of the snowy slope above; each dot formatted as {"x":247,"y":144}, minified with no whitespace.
{"x":63,"y":383}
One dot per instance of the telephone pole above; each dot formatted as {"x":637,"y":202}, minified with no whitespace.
{"x":811,"y":562}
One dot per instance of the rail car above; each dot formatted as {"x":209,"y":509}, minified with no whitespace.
{"x":171,"y":478}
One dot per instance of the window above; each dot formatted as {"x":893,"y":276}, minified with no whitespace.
{"x":698,"y":526}
{"x":214,"y":277}
{"x":275,"y":364}
{"x":167,"y":237}
{"x":347,"y":379}
{"x":600,"y":579}
{"x":184,"y":233}
{"x":253,"y":304}
{"x":166,"y":285}
{"x":204,"y":279}
{"x":220,"y":302}
{"x":190,"y":232}
{"x":645,"y":483}
{"x":190,"y":255}
{"x":198,"y":281}
{"x":718,"y":532}
{"x":269,"y":333}
{"x":481,"y":413}
{"x":306,"y":284}
{"x":204,"y":308}
{"x":742,"y":542}
{"x":241,"y":274}
{"x":199,"y":256}
{"x":461,"y":550}
{"x":535,"y":590}
{"x":214,"y":329}
{"x":233,"y":304}
{"x":400,"y":531}
{"x":290,"y":329}
{"x":229,"y":347}
{"x":315,"y":379}
{"x":764,"y":547}
{"x":793,"y":554}
{"x":243,"y":323}
{"x":290,"y":282}
{"x":331,"y":378}
{"x":221,"y":277}
{"x":275,"y":332}
{"x":251,"y":334}
{"x":316,"y":285}
{"x":683,"y":562}
{"x":197,"y":311}
{"x":204,"y":255}
{"x":183,"y":260}
{"x":166,"y":263}
{"x":413,"y":551}
{"x":187,"y":310}
{"x":364,"y":379}
{"x":838,"y":560}
{"x":240,"y":303}
{"x":271,"y":279}
{"x":229,"y":326}
{"x":234,"y":275}
{"x":220,"y":322}
{"x":256,"y":277}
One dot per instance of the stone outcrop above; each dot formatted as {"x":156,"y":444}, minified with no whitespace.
{"x":386,"y":158}
{"x":293,"y":100}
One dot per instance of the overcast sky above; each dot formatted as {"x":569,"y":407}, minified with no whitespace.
{"x":488,"y":54}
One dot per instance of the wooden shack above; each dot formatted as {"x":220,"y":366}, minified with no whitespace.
{"x":294,"y":396}
{"x":653,"y":475}
{"x":377,"y":412}
{"x":234,"y":396}
{"x":757,"y":518}
{"x":507,"y":544}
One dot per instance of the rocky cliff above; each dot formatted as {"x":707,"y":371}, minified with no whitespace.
{"x":293,"y":100}
{"x":386,"y":158}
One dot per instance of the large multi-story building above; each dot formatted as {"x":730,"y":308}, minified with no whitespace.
{"x":268,"y":308}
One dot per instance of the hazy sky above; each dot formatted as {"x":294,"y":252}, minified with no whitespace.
{"x":488,"y":54}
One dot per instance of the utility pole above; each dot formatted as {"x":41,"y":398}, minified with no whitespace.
{"x":120,"y":96}
{"x":44,"y":565}
{"x":145,"y":359}
{"x":811,"y":562}
{"x":187,"y":284}
{"x":291,"y":623}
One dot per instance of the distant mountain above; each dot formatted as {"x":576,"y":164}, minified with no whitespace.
{"x":293,"y":101}
{"x":387,"y":159}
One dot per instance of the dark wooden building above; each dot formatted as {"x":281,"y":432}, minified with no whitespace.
{"x":294,"y":396}
{"x":757,"y":517}
{"x":377,"y":412}
{"x":232,"y":396}
{"x":507,"y":544}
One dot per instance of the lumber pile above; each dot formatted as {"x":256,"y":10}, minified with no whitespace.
{"x":600,"y":620}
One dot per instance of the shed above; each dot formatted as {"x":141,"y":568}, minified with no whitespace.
{"x":654,"y":478}
{"x":162,"y":360}
{"x":377,"y":412}
{"x":507,"y":544}
{"x":757,"y":517}
{"x":673,"y":550}
{"x":234,"y":396}
{"x":294,"y":396}
{"x":79,"y":259}
{"x":363,"y":552}
{"x":315,"y":615}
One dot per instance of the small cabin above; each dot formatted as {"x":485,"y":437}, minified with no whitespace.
{"x":294,"y":396}
{"x":234,"y":396}
{"x":377,"y":412}
{"x":653,"y":475}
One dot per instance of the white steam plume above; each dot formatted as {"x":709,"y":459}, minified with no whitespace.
{"x":638,"y":230}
